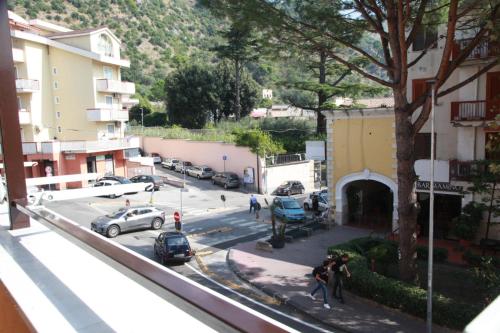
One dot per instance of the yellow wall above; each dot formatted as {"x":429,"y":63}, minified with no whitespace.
{"x":363,"y":143}
{"x":76,"y":93}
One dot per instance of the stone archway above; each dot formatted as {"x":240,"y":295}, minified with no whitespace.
{"x":341,"y":202}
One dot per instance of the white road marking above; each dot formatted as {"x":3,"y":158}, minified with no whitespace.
{"x":260,"y":304}
{"x":246,"y":224}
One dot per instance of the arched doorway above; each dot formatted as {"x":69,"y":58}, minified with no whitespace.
{"x":361,"y":195}
{"x":369,"y":204}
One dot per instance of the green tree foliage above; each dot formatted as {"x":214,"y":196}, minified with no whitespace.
{"x":240,"y":47}
{"x":196,"y":94}
{"x":290,"y":133}
{"x":155,"y":119}
{"x":260,"y":143}
{"x":191,"y":96}
{"x":137,"y":111}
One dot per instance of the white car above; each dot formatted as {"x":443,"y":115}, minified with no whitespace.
{"x":170,"y":163}
{"x":107,"y":182}
{"x":322,"y":201}
{"x":156,"y":158}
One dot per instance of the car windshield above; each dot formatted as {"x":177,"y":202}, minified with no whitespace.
{"x":207,"y":169}
{"x":285,"y":183}
{"x":125,"y":181}
{"x":233,"y":177}
{"x":188,"y":163}
{"x":176,"y":241}
{"x":324,"y":197}
{"x":117,"y":214}
{"x":291,"y":204}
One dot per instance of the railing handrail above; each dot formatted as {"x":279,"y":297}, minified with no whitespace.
{"x":202,"y":298}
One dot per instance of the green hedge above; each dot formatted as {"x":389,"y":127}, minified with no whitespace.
{"x":475,"y":259}
{"x":399,"y":295}
{"x":440,"y":254}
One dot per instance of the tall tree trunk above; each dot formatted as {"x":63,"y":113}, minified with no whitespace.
{"x":237,"y":103}
{"x":407,"y":212}
{"x":321,"y":120}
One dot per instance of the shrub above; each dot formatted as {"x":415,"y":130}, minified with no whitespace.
{"x":440,"y":254}
{"x":399,"y":295}
{"x":476,"y":260}
{"x":385,"y":253}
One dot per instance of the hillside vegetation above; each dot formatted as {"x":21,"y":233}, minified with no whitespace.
{"x":157,"y":35}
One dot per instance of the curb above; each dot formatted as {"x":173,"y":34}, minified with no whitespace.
{"x":282,"y":299}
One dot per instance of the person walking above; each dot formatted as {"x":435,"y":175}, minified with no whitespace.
{"x":257,"y":209}
{"x":127,"y":203}
{"x":315,"y":204}
{"x":253,"y":201}
{"x":339,"y":266}
{"x":320,"y":274}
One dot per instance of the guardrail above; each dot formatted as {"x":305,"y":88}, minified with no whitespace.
{"x":474,"y":110}
{"x":233,"y":314}
{"x":285,"y":159}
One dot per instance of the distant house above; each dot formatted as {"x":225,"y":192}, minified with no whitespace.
{"x":283,"y":111}
{"x":267,"y":93}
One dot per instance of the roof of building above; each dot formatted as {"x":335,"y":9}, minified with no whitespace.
{"x":47,"y":26}
{"x":75,"y":32}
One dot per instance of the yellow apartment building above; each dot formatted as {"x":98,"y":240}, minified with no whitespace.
{"x":73,"y":104}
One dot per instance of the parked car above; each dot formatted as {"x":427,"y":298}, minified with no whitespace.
{"x":322,"y":201}
{"x":226,"y":179}
{"x":170,"y":163}
{"x":290,"y":187}
{"x":156,"y":158}
{"x":156,"y":180}
{"x":107,"y":182}
{"x":172,"y":247}
{"x":182,"y":166}
{"x":200,"y":172}
{"x":288,"y":209}
{"x":127,"y":219}
{"x":120,"y":179}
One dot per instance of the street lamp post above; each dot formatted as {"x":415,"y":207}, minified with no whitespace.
{"x":142,"y":119}
{"x":431,"y":217}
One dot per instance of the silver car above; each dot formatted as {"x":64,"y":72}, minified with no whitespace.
{"x":127,"y":219}
{"x":201,"y":171}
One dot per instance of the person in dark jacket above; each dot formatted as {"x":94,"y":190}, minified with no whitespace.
{"x":320,"y":274}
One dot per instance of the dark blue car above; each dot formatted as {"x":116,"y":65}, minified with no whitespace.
{"x":172,"y":247}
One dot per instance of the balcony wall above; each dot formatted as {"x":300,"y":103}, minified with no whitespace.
{"x":115,"y":86}
{"x":27,"y":85}
{"x":17,"y":55}
{"x":484,"y":50}
{"x":91,"y":146}
{"x":107,"y":114}
{"x":24,"y":117}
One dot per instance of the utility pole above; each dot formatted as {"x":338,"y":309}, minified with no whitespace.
{"x":142,"y":119}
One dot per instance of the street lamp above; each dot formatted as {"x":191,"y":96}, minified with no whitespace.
{"x":431,"y":216}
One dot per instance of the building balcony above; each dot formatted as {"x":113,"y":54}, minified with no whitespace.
{"x":115,"y":86}
{"x":466,"y":170}
{"x":484,"y":50}
{"x":27,"y":86}
{"x":106,"y":114}
{"x":24,"y":117}
{"x":127,"y":102}
{"x":441,"y":170}
{"x":17,"y":55}
{"x":47,"y":147}
{"x":474,"y":110}
{"x":98,"y":146}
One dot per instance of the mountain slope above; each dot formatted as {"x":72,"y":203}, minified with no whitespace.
{"x":157,"y":35}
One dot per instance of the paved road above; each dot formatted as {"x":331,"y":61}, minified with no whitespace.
{"x":211,"y":229}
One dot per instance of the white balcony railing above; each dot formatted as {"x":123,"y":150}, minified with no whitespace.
{"x":94,"y":146}
{"x":17,"y":55}
{"x":27,"y":85}
{"x":47,"y":147}
{"x":24,"y":117}
{"x":106,"y":114}
{"x":29,"y":148}
{"x":115,"y":86}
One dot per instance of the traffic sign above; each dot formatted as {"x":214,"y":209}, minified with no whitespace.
{"x":224,"y":157}
{"x":177,"y":216}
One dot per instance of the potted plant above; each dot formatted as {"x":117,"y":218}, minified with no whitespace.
{"x":465,"y":226}
{"x":278,"y":237}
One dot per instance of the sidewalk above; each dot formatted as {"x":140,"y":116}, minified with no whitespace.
{"x":286,"y":274}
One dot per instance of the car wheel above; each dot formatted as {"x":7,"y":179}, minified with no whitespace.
{"x":306,"y":206}
{"x":156,"y":224}
{"x":225,"y":186}
{"x":112,"y":196}
{"x":113,"y":231}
